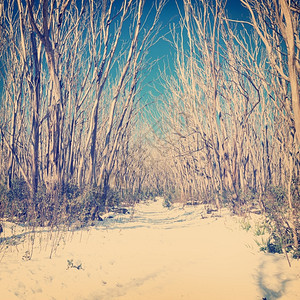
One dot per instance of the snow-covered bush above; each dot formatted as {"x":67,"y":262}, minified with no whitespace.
{"x":281,"y":220}
{"x":14,"y":201}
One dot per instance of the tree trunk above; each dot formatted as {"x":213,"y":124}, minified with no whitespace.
{"x":35,"y":116}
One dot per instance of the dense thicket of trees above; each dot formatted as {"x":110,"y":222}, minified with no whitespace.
{"x":230,"y":118}
{"x":70,"y":75}
{"x":74,"y":136}
{"x":230,"y":129}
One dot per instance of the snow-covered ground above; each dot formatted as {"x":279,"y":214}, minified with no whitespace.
{"x":156,"y":253}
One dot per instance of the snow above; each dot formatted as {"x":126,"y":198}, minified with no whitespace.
{"x":152,"y":253}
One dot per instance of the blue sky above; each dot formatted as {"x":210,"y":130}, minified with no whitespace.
{"x":170,"y":15}
{"x":163,"y":50}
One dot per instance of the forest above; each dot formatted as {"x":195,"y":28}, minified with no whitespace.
{"x":84,"y":129}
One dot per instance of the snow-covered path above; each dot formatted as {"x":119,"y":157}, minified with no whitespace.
{"x":156,"y":254}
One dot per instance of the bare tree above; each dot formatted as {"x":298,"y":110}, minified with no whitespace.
{"x":277,"y":25}
{"x":222,"y":107}
{"x":71,"y":87}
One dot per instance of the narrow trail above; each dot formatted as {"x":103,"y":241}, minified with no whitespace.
{"x":155,"y":253}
